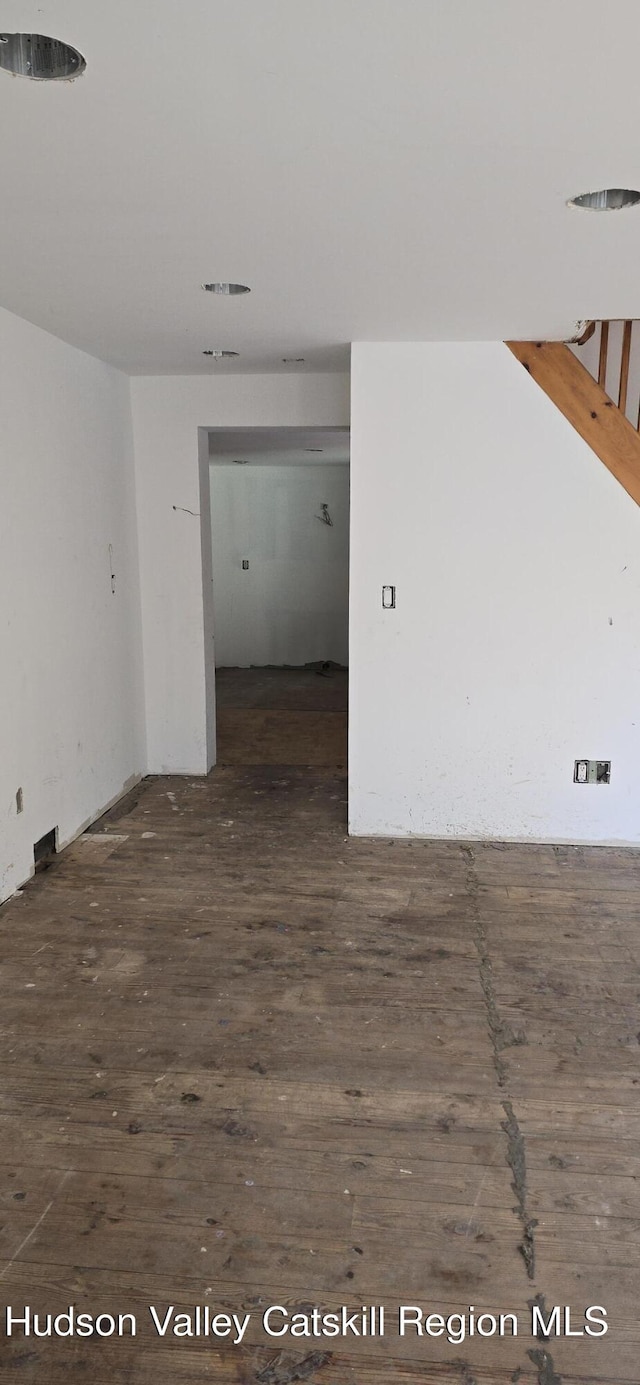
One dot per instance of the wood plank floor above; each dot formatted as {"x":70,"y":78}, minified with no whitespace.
{"x":282,"y":716}
{"x":248,"y":1061}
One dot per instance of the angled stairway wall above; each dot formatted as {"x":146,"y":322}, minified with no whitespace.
{"x":586,"y":406}
{"x":514,"y":647}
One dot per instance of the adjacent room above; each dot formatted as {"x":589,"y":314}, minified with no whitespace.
{"x":280,"y":532}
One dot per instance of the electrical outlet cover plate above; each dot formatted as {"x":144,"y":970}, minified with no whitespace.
{"x":592,"y":772}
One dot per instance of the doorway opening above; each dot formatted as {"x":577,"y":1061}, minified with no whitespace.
{"x":280,"y":580}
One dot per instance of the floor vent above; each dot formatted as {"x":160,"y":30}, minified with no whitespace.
{"x":45,"y":850}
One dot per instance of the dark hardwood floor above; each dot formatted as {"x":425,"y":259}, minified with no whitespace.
{"x":248,"y":1061}
{"x":282,"y":716}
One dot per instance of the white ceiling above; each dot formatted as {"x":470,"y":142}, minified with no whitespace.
{"x":373,"y":169}
{"x":279,"y":446}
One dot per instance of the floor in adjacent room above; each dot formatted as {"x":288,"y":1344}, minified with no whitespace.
{"x":248,"y":1061}
{"x":282,"y":715}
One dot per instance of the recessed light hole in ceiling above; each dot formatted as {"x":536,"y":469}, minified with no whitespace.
{"x":227,"y":289}
{"x":607,"y":199}
{"x":44,"y":59}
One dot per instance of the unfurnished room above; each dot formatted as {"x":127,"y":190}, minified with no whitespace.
{"x":320,"y":693}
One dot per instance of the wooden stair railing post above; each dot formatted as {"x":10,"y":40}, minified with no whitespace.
{"x":624,"y":367}
{"x":602,"y":361}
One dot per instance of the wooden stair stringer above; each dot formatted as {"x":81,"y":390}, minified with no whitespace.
{"x":599,"y":421}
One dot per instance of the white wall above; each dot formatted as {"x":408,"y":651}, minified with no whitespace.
{"x":172,"y":479}
{"x":515,"y":645}
{"x":291,"y":605}
{"x":71,"y":703}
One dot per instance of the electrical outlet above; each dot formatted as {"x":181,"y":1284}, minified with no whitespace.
{"x":592,"y":772}
{"x":388,"y":598}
